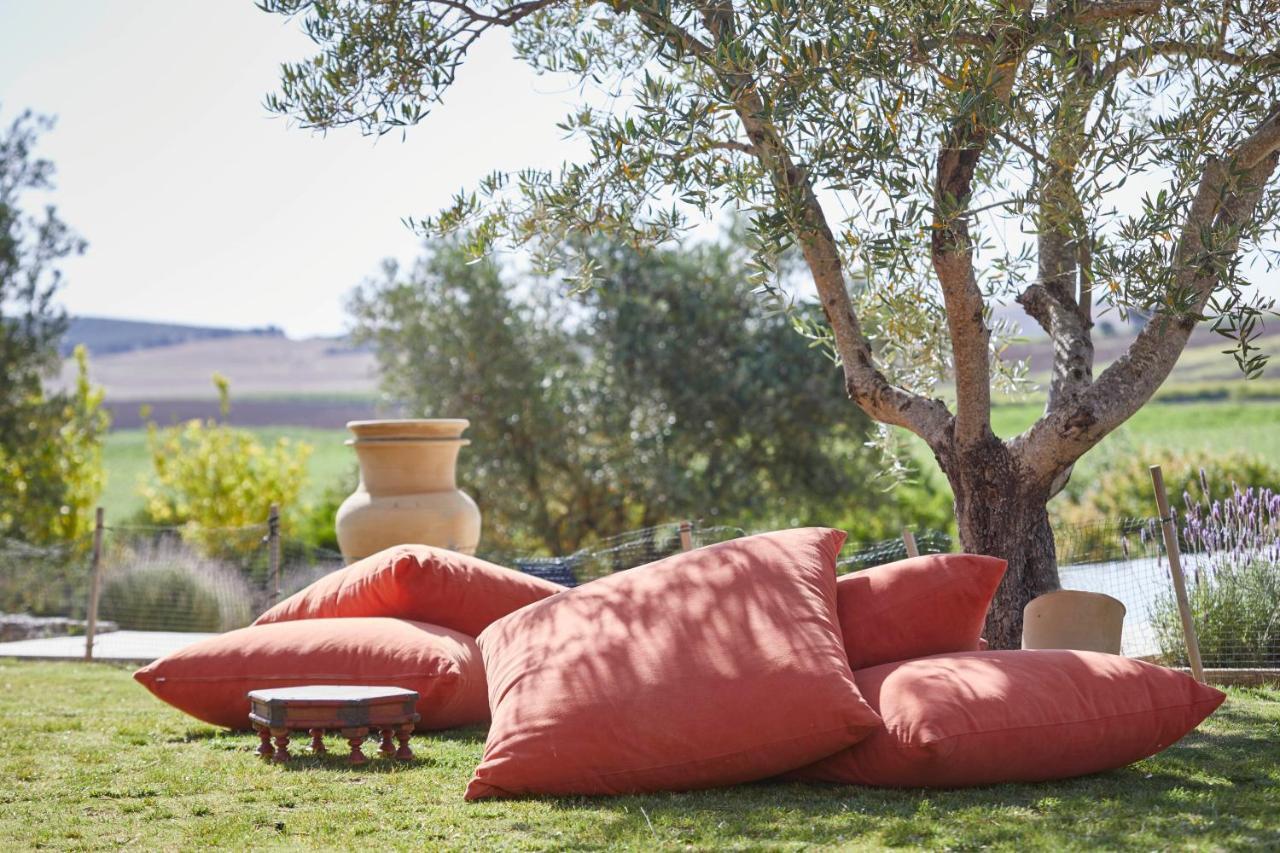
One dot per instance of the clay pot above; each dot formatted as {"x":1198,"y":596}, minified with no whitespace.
{"x":1073,"y":619}
{"x":407,"y":492}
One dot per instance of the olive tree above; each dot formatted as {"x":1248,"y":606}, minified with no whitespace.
{"x":1071,"y":155}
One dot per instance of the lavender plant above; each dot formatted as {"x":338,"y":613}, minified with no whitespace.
{"x":1233,"y":583}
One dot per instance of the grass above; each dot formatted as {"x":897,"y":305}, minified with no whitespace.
{"x":128,"y":463}
{"x":88,"y":760}
{"x":1175,"y":426}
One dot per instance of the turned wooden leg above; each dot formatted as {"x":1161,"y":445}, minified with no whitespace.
{"x":317,"y":741}
{"x":264,"y":742}
{"x":404,"y":753}
{"x":387,"y":748}
{"x":355,"y":737}
{"x":282,"y":745}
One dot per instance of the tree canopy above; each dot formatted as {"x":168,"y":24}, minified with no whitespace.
{"x":50,"y":455}
{"x":1070,"y":154}
{"x":671,"y":393}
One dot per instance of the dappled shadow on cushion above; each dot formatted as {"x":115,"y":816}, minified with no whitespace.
{"x":713,"y":666}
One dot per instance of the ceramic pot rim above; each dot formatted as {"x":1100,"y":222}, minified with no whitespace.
{"x":408,"y":429}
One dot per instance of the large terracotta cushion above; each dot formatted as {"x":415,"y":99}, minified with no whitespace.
{"x":917,"y":607}
{"x":711,"y":667}
{"x":209,"y":679}
{"x":978,"y":718}
{"x":416,"y":582}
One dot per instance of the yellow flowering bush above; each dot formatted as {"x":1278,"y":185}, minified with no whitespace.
{"x":218,"y":482}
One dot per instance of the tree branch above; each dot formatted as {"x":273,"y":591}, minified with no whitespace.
{"x":1136,"y":56}
{"x":1094,"y":13}
{"x":952,"y":248}
{"x":866,"y":385}
{"x":1227,"y":197}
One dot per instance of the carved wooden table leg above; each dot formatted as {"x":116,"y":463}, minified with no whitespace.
{"x":404,"y":753}
{"x":317,"y":741}
{"x":387,"y":748}
{"x":355,"y":737}
{"x":264,"y":742}
{"x":282,"y":745}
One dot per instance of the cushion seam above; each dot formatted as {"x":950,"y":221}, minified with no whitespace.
{"x":933,"y":590}
{"x":345,"y":677}
{"x":905,"y":744}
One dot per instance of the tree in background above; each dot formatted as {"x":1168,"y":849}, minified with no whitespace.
{"x":219,"y":482}
{"x":50,"y":444}
{"x":670,"y":394}
{"x":910,"y":139}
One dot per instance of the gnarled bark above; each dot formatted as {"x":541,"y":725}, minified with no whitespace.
{"x":1002,"y":512}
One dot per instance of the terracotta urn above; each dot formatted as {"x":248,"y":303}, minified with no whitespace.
{"x":407,"y":492}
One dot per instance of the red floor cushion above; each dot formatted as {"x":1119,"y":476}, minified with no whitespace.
{"x":416,"y":582}
{"x":917,"y":607}
{"x":711,"y":667}
{"x":979,"y":718}
{"x":209,"y":679}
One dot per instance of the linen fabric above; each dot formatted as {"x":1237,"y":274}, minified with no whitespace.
{"x":980,"y":718}
{"x":210,"y":679}
{"x":917,"y":607}
{"x":420,"y":583}
{"x":710,"y":667}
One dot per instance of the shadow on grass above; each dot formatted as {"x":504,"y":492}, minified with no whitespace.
{"x":1186,"y":789}
{"x":336,"y":761}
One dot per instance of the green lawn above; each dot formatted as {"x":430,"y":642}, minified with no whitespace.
{"x":128,"y":463}
{"x":89,"y":760}
{"x":1209,"y":426}
{"x":1219,"y":425}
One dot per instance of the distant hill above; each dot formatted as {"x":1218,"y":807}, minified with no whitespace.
{"x":275,"y":380}
{"x":324,"y":382}
{"x":1202,"y":362}
{"x":105,"y":335}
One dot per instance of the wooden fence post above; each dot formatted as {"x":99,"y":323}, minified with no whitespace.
{"x":273,"y":545}
{"x":1175,"y":569}
{"x":95,"y":586}
{"x":686,"y":535}
{"x":909,"y":539}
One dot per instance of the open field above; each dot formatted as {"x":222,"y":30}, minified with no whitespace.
{"x":1251,"y":425}
{"x":127,"y":461}
{"x":255,"y":365}
{"x":98,"y":763}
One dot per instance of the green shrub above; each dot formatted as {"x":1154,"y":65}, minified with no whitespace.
{"x":315,"y":527}
{"x":51,"y":470}
{"x":167,"y":588}
{"x":219,"y":482}
{"x":1234,"y":581}
{"x":1122,"y":489}
{"x":1237,"y":617}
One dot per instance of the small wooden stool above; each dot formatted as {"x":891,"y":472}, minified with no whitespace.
{"x":352,"y":711}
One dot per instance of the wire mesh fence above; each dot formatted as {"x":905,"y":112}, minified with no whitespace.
{"x":159,"y":585}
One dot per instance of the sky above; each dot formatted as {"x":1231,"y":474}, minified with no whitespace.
{"x":201,"y":207}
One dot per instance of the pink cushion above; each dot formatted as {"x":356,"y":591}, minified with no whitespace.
{"x":209,"y":679}
{"x":979,"y":718}
{"x":711,"y":667}
{"x":917,"y":607}
{"x":416,"y":582}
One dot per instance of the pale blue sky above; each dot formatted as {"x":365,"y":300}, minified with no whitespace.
{"x":200,"y":207}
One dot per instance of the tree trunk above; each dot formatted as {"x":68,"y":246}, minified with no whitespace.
{"x":1000,"y":515}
